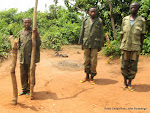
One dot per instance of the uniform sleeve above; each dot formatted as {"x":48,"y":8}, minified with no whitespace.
{"x":102,"y":35}
{"x":144,"y":27}
{"x":81,"y":34}
{"x":38,"y":41}
{"x":19,"y":43}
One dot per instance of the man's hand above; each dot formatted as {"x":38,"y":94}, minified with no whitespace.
{"x":35,"y":32}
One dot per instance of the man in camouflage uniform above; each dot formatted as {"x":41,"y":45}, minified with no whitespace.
{"x":91,"y":39}
{"x":132,"y":36}
{"x":25,"y":49}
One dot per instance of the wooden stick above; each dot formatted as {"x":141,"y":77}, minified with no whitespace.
{"x":107,"y":38}
{"x":12,"y":69}
{"x":32,"y":66}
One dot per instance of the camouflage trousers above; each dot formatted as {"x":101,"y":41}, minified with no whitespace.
{"x":25,"y":77}
{"x":90,"y":61}
{"x":129,"y":64}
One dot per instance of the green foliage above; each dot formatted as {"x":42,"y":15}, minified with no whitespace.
{"x":10,"y":24}
{"x":120,"y":10}
{"x":112,"y":50}
{"x":53,"y":39}
{"x":145,"y":12}
{"x":6,"y":18}
{"x":59,"y":26}
{"x":146,"y":45}
{"x":56,"y":27}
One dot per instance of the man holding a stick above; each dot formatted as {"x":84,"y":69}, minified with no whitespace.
{"x":25,"y":49}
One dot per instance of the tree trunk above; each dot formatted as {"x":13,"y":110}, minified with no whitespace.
{"x":12,"y":69}
{"x":32,"y":66}
{"x":112,"y":20}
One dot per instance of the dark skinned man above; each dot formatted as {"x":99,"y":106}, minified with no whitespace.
{"x":91,"y":40}
{"x":25,"y":49}
{"x":132,"y":36}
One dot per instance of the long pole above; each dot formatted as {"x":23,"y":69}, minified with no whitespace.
{"x":12,"y":69}
{"x":32,"y":66}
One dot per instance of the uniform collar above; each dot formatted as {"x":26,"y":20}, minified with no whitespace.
{"x":29,"y":30}
{"x":137,"y":19}
{"x":93,"y":20}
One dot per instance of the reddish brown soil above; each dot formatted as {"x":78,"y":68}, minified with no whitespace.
{"x":58,"y":88}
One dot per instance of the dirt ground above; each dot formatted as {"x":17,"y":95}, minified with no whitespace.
{"x":58,"y":88}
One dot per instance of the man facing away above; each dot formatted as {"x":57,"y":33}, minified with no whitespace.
{"x":132,"y":36}
{"x":25,"y":49}
{"x":91,"y":40}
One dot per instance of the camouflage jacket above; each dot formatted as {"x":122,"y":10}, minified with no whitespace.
{"x":92,"y":35}
{"x":132,"y":34}
{"x":25,"y":47}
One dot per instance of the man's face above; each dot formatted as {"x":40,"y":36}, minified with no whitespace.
{"x":134,"y":8}
{"x":92,"y":12}
{"x":27,"y":23}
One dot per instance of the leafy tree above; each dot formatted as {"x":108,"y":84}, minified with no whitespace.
{"x":120,"y":10}
{"x":58,"y":26}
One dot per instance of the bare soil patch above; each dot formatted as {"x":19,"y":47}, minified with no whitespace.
{"x":58,"y":88}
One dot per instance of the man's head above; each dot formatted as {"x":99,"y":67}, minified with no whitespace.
{"x":92,"y":12}
{"x":134,"y":7}
{"x":27,"y":23}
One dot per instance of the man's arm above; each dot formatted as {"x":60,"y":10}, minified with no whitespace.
{"x":19,"y":43}
{"x":142,"y":39}
{"x":101,"y":35}
{"x":143,"y":32}
{"x":81,"y":35}
{"x":121,"y":31}
{"x":38,"y":41}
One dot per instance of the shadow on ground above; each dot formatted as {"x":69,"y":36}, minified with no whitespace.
{"x":28,"y":107}
{"x":141,"y":87}
{"x":105,"y":81}
{"x":44,"y":95}
{"x":50,"y":95}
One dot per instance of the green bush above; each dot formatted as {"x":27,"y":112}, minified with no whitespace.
{"x":146,"y":45}
{"x":63,"y":28}
{"x":56,"y":27}
{"x":112,"y":50}
{"x":53,"y":39}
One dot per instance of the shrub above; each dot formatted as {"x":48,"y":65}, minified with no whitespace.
{"x":112,"y":50}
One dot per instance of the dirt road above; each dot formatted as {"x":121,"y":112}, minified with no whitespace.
{"x":58,"y":88}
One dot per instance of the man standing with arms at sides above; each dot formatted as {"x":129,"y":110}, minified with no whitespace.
{"x":91,"y":40}
{"x":25,"y":49}
{"x":132,"y":36}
